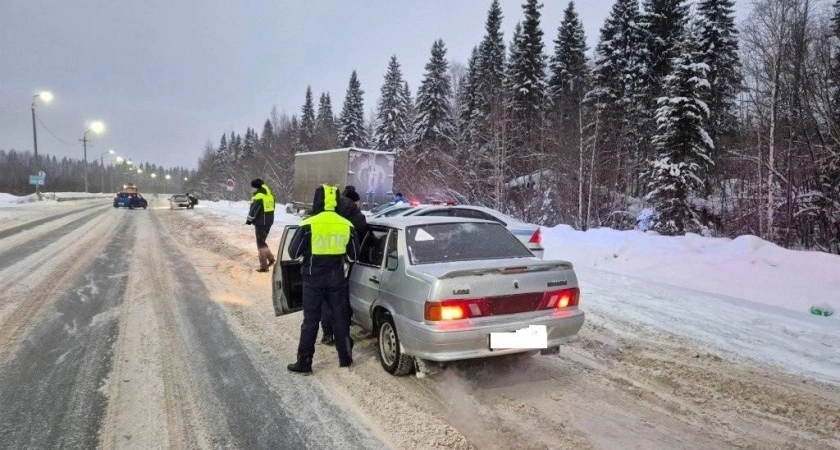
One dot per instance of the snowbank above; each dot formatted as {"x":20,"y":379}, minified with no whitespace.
{"x":238,"y":211}
{"x":746,"y":267}
{"x":7,"y":200}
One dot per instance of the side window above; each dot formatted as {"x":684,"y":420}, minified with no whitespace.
{"x":373,"y":248}
{"x":435,"y":212}
{"x":486,"y":216}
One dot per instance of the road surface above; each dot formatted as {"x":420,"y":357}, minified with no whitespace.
{"x":150,"y":329}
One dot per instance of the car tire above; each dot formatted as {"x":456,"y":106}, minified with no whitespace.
{"x":388,"y":346}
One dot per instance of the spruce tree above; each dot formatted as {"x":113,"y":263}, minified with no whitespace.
{"x":569,"y":64}
{"x":392,"y":115}
{"x":663,"y":24}
{"x":352,"y":131}
{"x":266,"y":144}
{"x":326,"y":132}
{"x":718,"y":40}
{"x":617,"y":74}
{"x":433,"y":122}
{"x":409,"y":112}
{"x":527,"y":83}
{"x":468,"y":91}
{"x":489,"y":68}
{"x":681,"y":142}
{"x":307,"y":121}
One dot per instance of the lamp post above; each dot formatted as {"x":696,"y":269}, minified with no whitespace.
{"x":102,"y":166}
{"x":46,"y":97}
{"x":97,"y":127}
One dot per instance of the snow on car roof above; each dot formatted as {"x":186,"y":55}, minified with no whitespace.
{"x":402,"y":222}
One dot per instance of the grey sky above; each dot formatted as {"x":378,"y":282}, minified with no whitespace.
{"x":166,"y":76}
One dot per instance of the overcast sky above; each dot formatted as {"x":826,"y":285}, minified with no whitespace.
{"x":167,"y":75}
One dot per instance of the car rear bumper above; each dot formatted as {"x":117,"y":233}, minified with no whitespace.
{"x":470,"y":339}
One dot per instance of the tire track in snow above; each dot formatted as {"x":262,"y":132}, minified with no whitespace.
{"x":51,"y":390}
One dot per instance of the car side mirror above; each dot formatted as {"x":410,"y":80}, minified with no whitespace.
{"x":392,"y":262}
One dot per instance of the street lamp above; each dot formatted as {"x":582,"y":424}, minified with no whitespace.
{"x":46,"y":97}
{"x":102,"y":166}
{"x":97,"y":127}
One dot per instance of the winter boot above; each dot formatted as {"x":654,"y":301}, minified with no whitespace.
{"x":270,"y":256}
{"x":328,"y":339}
{"x":346,"y":360}
{"x":301,"y":367}
{"x":263,"y":259}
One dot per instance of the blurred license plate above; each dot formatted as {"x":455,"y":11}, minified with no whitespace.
{"x":535,"y":336}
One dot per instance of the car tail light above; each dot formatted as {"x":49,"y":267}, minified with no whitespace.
{"x":457,"y":309}
{"x":563,"y":298}
{"x":536,"y":238}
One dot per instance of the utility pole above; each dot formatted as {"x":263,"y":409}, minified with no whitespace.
{"x":84,"y":140}
{"x":35,"y":147}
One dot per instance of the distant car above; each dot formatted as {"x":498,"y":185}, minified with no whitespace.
{"x":438,"y":289}
{"x":179,"y":201}
{"x":528,"y":234}
{"x":130,"y":200}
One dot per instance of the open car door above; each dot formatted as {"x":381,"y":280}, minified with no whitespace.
{"x":287,"y":283}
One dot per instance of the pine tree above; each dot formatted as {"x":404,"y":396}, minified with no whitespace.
{"x":718,"y":37}
{"x":433,"y":122}
{"x":489,"y":68}
{"x":468,"y":91}
{"x":409,"y":111}
{"x":527,"y":85}
{"x":569,"y":65}
{"x":681,"y":142}
{"x":392,"y":115}
{"x":222,"y":151}
{"x":307,"y":121}
{"x":266,"y":144}
{"x":352,"y":120}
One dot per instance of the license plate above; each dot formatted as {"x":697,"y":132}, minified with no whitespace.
{"x":535,"y":336}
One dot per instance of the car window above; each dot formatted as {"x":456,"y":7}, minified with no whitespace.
{"x":447,"y":242}
{"x":469,"y":213}
{"x":373,"y":247}
{"x":435,"y":213}
{"x":394,"y":212}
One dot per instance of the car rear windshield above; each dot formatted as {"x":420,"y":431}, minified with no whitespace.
{"x":447,"y":242}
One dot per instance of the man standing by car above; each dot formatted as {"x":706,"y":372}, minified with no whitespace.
{"x":261,"y":216}
{"x":324,"y":240}
{"x":348,"y":207}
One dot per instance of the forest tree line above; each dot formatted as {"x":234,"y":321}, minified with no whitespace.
{"x":680,"y":121}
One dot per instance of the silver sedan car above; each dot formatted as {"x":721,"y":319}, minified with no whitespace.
{"x":439,"y":289}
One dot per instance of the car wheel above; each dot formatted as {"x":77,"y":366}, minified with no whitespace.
{"x":388,"y":342}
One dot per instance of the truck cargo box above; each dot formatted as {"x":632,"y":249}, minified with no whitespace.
{"x":371,"y":172}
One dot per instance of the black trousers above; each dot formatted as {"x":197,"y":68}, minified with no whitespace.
{"x":262,"y":234}
{"x":321,"y":290}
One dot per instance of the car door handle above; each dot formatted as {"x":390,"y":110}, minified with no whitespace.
{"x":374,"y":280}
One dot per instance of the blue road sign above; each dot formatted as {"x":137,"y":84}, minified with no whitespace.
{"x":36,"y":180}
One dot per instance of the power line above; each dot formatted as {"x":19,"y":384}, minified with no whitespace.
{"x":53,"y":134}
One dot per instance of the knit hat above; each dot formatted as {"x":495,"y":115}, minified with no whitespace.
{"x":257,"y":183}
{"x":352,"y":195}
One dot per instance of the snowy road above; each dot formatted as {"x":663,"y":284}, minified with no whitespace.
{"x":150,"y":329}
{"x":109,"y":338}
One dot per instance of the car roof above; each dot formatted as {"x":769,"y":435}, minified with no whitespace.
{"x":402,"y":223}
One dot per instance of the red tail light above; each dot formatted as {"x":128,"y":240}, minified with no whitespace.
{"x":536,"y":238}
{"x":457,"y":309}
{"x":563,"y":298}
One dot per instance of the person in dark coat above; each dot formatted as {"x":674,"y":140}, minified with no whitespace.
{"x":348,"y":207}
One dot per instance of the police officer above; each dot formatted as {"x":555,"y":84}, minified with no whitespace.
{"x":348,"y":207}
{"x":324,"y":240}
{"x":261,"y":215}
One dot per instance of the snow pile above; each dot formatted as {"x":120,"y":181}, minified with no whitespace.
{"x":14,"y":200}
{"x":746,"y":267}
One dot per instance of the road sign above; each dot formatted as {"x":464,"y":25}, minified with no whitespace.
{"x":42,"y":174}
{"x":230,"y":184}
{"x":36,"y":180}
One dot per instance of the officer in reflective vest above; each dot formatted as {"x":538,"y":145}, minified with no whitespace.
{"x":324,"y":240}
{"x":261,"y":216}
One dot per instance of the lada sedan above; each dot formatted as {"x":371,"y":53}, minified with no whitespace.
{"x":440,"y":289}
